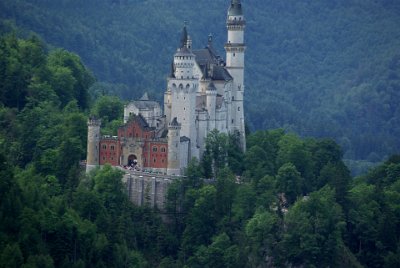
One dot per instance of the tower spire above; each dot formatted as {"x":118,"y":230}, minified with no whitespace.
{"x":184,"y":37}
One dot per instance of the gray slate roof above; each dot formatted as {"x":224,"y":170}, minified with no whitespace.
{"x":145,"y":103}
{"x":208,"y":60}
{"x":184,"y":139}
{"x":235,"y":9}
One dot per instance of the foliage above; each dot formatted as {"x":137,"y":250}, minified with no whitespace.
{"x":111,"y":111}
{"x":285,"y":202}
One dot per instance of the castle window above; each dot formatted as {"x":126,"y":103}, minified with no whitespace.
{"x":154,"y":160}
{"x":162,"y":161}
{"x":233,"y":98}
{"x":154,"y":149}
{"x":112,"y":158}
{"x":238,"y":108}
{"x":163,"y":149}
{"x":232,"y":121}
{"x":104,"y":158}
{"x":112,"y":147}
{"x":234,"y":54}
{"x":144,"y":160}
{"x":104,"y":147}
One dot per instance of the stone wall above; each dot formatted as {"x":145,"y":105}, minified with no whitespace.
{"x":147,"y":189}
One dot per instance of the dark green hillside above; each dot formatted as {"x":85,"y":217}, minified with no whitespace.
{"x":319,"y":68}
{"x":285,"y":202}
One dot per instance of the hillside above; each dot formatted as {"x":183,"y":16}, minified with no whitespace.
{"x":285,"y":202}
{"x":318,"y":68}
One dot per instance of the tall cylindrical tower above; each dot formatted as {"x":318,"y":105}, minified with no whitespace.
{"x":174,"y":137}
{"x":93,"y":143}
{"x":235,"y":51}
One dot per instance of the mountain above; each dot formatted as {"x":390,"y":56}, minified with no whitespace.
{"x":318,"y":68}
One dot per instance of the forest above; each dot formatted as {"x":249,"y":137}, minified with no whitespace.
{"x":326,"y":69}
{"x":288,"y":201}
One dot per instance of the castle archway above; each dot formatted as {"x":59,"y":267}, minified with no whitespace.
{"x":132,"y":160}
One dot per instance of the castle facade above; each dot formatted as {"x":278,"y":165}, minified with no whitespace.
{"x":204,"y":93}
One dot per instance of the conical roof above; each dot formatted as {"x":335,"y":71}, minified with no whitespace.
{"x":235,"y":9}
{"x":145,"y":97}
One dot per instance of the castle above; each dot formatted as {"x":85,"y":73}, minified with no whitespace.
{"x":204,"y":93}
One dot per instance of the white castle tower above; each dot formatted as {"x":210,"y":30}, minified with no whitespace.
{"x":181,"y":93}
{"x":174,"y":148}
{"x":93,"y":143}
{"x":235,"y":49}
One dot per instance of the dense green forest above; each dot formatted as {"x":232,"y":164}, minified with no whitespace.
{"x":318,"y":68}
{"x":286,"y":202}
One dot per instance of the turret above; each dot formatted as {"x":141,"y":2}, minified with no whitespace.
{"x":235,"y":47}
{"x":93,"y":143}
{"x":184,"y":59}
{"x":235,"y":51}
{"x":174,"y":128}
{"x":181,"y":93}
{"x":211,"y":99}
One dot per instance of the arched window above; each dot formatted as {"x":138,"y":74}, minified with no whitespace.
{"x":154,"y":149}
{"x":163,"y":150}
{"x":112,"y":147}
{"x":104,"y":147}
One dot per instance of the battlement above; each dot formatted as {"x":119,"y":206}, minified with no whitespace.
{"x":93,"y":121}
